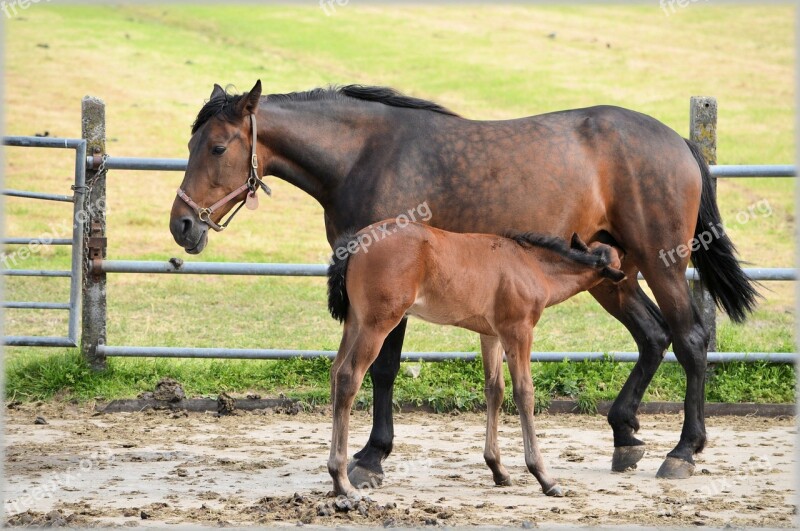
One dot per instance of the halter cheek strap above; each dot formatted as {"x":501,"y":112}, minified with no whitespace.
{"x":252,"y":185}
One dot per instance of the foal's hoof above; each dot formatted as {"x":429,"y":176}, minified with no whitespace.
{"x":674,"y":468}
{"x":362,"y":477}
{"x":503,"y":481}
{"x":626,"y":457}
{"x":555,"y":491}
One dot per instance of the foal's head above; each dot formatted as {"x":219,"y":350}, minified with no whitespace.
{"x":219,"y":164}
{"x":605,"y":258}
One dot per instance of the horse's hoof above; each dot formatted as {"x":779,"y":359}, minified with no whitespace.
{"x":626,"y":457}
{"x":674,"y":468}
{"x":555,"y":491}
{"x":362,"y":477}
{"x":503,"y":481}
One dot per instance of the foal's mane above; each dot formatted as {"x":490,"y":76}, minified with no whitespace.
{"x":224,"y":107}
{"x":561,"y":248}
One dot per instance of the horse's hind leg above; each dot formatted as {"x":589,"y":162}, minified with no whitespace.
{"x":629,"y":304}
{"x":347,"y":373}
{"x":366,"y":464}
{"x":517,"y":344}
{"x":690,"y":344}
{"x":494,"y":386}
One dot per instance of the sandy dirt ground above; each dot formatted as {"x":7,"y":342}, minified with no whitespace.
{"x":164,"y":469}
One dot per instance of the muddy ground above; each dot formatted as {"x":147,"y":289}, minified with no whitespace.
{"x":162,"y":468}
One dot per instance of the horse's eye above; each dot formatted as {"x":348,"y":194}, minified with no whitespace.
{"x":218,"y":150}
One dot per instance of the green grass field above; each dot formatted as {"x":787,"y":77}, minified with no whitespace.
{"x":155,"y":66}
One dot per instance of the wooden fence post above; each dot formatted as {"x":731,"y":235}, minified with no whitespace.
{"x":703,"y":131}
{"x":93,"y":333}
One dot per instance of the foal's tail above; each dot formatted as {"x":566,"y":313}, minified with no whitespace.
{"x":338,"y":301}
{"x":714,"y":258}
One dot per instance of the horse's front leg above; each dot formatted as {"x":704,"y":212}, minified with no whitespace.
{"x":517,"y":343}
{"x":366,"y":465}
{"x":494,"y":387}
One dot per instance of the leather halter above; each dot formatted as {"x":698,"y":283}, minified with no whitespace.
{"x":251,"y":185}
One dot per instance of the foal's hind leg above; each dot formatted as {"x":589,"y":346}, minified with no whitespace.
{"x":630,"y":305}
{"x":356,"y":354}
{"x":494,"y":386}
{"x":517,"y":343}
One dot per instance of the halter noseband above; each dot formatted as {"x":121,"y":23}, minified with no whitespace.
{"x":252,"y":184}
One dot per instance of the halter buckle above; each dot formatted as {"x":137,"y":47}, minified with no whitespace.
{"x":254,"y":162}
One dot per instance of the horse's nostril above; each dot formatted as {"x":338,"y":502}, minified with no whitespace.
{"x":186,"y":225}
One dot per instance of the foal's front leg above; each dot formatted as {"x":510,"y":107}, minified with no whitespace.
{"x":518,"y":354}
{"x":494,"y":386}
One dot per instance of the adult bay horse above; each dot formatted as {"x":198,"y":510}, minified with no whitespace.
{"x":606,"y":173}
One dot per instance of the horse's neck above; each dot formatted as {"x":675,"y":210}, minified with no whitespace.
{"x":316,"y":143}
{"x":566,"y":277}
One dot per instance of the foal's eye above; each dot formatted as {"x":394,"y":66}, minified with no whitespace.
{"x":218,"y":150}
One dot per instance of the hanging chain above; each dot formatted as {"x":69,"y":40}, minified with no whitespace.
{"x":88,"y":212}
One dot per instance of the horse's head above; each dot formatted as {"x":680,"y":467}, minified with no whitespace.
{"x":609,"y":257}
{"x":223,"y":169}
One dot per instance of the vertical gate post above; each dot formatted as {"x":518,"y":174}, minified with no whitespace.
{"x":703,"y":131}
{"x":93,"y":117}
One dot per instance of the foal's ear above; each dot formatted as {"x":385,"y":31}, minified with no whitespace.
{"x":218,"y":92}
{"x":577,"y":243}
{"x":249,"y":103}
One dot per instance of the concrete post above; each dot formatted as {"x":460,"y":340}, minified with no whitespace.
{"x":703,"y":131}
{"x":93,"y":115}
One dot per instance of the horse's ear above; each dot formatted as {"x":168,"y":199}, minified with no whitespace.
{"x":577,"y":243}
{"x":613,"y":274}
{"x":218,"y":92}
{"x":249,"y":103}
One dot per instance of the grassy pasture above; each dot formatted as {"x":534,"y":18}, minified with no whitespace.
{"x":154,"y":66}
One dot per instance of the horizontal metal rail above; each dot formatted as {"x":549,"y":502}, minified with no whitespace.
{"x":279,"y":354}
{"x":753,"y":170}
{"x":138,"y":163}
{"x":37,"y":305}
{"x":40,"y":195}
{"x":213,"y":268}
{"x":36,"y":241}
{"x":43,"y":142}
{"x":320,"y":270}
{"x":35,"y":273}
{"x":720,"y":170}
{"x":38,"y":341}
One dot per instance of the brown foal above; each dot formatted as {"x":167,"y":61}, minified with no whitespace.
{"x":494,"y":285}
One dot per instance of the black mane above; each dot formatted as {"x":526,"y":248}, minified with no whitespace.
{"x":562,"y":248}
{"x":224,"y":107}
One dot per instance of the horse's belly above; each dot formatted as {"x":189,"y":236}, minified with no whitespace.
{"x":459,"y":317}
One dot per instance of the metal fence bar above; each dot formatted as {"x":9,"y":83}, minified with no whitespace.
{"x":37,"y":341}
{"x":753,"y":170}
{"x":35,"y":273}
{"x":42,"y":141}
{"x":320,"y":270}
{"x":139,"y":163}
{"x":37,"y":305}
{"x":214,"y":268}
{"x":36,"y":241}
{"x":78,"y":219}
{"x":39,"y":195}
{"x":720,"y":170}
{"x":281,"y":354}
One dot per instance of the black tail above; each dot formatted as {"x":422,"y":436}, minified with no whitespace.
{"x":338,"y":301}
{"x":719,"y":269}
